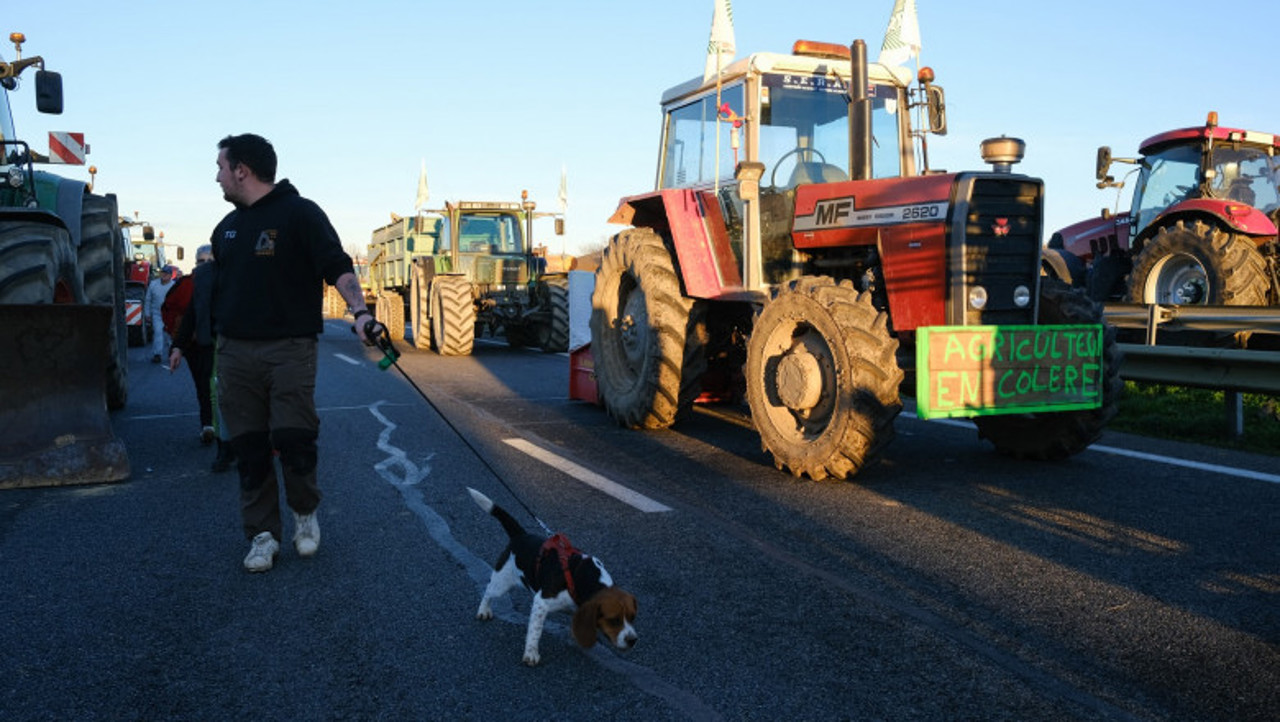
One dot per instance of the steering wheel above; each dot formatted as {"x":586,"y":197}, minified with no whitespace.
{"x":773,"y":177}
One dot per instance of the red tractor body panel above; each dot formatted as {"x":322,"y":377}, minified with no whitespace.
{"x":905,"y":218}
{"x":1097,"y":236}
{"x":1233,"y":214}
{"x":708,"y":266}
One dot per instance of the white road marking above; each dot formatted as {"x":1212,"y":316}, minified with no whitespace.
{"x":1144,"y":456}
{"x":588,"y":477}
{"x":348,"y":359}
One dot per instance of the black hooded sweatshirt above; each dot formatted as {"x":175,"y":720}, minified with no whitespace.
{"x":273,"y":259}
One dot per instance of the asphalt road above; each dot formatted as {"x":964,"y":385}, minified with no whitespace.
{"x":1138,"y":580}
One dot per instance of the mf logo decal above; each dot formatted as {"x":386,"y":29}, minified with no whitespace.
{"x":835,"y":213}
{"x":266,"y":245}
{"x":1000,"y":227}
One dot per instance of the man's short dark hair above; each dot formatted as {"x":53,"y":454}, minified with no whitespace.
{"x":253,"y":152}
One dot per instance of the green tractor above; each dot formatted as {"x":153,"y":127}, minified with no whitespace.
{"x":465,"y":269}
{"x":62,"y":322}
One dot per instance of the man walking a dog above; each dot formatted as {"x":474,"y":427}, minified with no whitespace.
{"x":274,"y":252}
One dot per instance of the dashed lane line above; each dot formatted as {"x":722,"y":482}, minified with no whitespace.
{"x":588,"y":477}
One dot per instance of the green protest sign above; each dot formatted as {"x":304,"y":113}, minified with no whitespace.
{"x":986,"y":370}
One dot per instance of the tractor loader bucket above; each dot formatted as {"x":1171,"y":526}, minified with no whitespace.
{"x":54,"y":427}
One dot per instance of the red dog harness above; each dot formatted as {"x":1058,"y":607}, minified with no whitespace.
{"x":564,"y":550}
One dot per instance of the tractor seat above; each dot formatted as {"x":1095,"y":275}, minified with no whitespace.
{"x":814,"y":172}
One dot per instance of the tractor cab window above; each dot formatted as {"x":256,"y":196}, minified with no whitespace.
{"x":804,"y":130}
{"x":1168,"y":177}
{"x":1245,"y":174}
{"x":489,"y":233}
{"x":698,"y":146}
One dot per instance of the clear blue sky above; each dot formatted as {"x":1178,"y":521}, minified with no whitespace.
{"x":498,"y":96}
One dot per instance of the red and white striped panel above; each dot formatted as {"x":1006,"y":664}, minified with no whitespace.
{"x":67,"y":148}
{"x":133,"y":313}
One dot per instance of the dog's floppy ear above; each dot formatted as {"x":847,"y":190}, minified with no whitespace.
{"x":584,"y":623}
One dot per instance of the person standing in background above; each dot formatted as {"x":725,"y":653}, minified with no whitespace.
{"x":273,"y":254}
{"x":193,"y":340}
{"x":151,"y":308}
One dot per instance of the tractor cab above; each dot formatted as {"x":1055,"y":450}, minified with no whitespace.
{"x":786,"y":120}
{"x":1208,"y":163}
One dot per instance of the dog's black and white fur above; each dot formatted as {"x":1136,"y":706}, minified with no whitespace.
{"x":571,"y":581}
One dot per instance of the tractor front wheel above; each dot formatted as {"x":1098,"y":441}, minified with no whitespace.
{"x":822,"y":379}
{"x":453,"y":316}
{"x":1051,"y":436}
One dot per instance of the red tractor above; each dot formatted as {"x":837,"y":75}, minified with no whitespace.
{"x":146,"y":257}
{"x":1201,"y":229}
{"x":793,"y":253}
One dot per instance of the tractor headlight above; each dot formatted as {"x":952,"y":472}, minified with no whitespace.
{"x":16,"y":176}
{"x":1021,"y":296}
{"x":977,"y":298}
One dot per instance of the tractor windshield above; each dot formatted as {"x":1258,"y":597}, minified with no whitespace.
{"x":1168,"y":177}
{"x":803,"y":134}
{"x":489,"y":233}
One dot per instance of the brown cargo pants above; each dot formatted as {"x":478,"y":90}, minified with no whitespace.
{"x":266,"y":393}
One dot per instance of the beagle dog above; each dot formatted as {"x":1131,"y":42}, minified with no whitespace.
{"x":561,"y":579}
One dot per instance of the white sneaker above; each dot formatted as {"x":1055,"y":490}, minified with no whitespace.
{"x":262,"y":555}
{"x":306,"y":534}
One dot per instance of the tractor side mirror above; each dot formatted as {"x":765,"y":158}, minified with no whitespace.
{"x":179,"y":253}
{"x":937,"y":103}
{"x":48,"y":92}
{"x":559,"y":226}
{"x":1104,"y":162}
{"x":148,"y":233}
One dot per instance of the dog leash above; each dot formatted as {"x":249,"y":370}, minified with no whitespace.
{"x":390,"y":357}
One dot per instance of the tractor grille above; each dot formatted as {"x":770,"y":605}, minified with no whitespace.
{"x":995,"y":244}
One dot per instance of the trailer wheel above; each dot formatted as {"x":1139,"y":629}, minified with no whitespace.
{"x":1200,"y":264}
{"x":453,"y":316}
{"x":1051,"y":436}
{"x":390,"y":312}
{"x":646,"y":373}
{"x":822,"y":378}
{"x":102,"y":266}
{"x":553,"y":336}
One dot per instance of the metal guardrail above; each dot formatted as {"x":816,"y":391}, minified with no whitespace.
{"x":1232,"y":371}
{"x":1241,"y":370}
{"x":1229,"y":319}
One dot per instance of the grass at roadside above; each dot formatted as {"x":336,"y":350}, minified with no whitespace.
{"x":1198,"y":415}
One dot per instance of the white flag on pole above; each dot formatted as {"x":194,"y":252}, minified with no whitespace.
{"x":422,"y":188}
{"x":902,"y":37}
{"x":564,"y":190}
{"x":720,"y":48}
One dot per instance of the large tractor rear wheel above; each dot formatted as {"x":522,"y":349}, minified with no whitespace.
{"x":553,"y":336}
{"x":647,"y":366}
{"x":102,"y":265}
{"x":419,"y":307}
{"x":1052,"y":436}
{"x":1199,"y":264}
{"x":453,"y":316}
{"x":38,"y":263}
{"x":822,"y":379}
